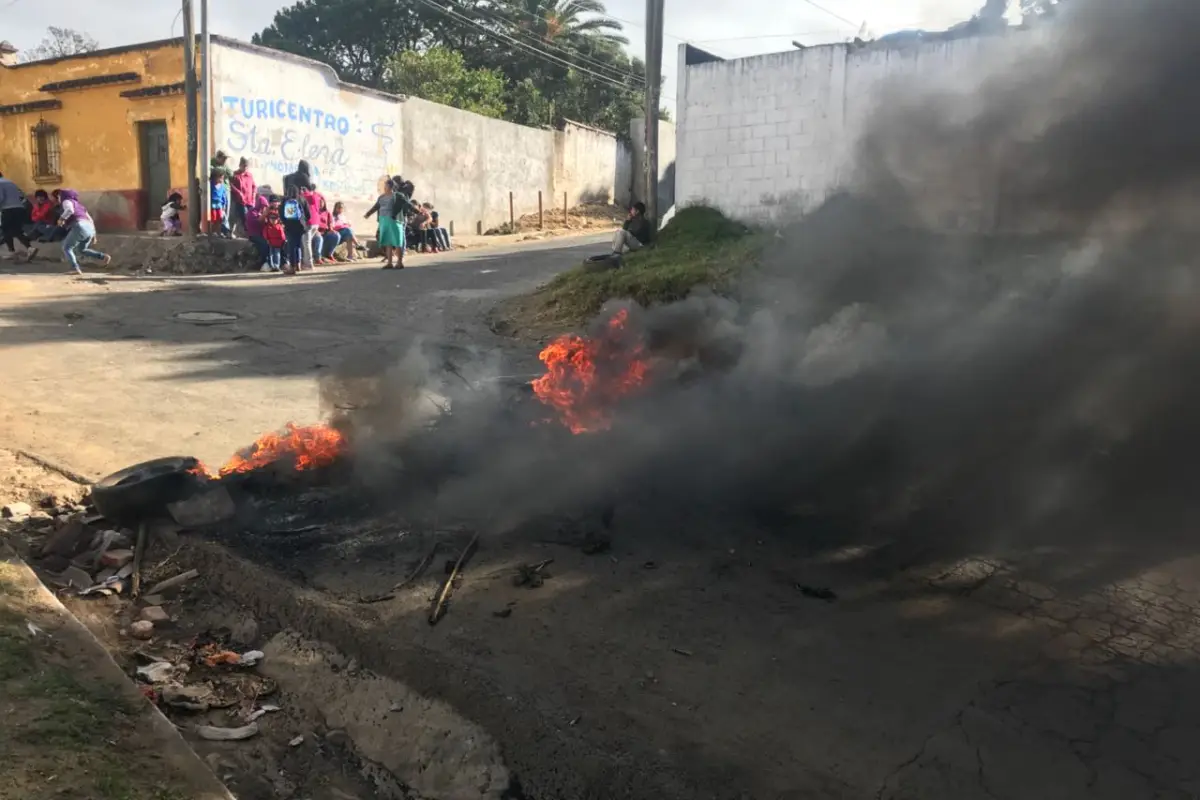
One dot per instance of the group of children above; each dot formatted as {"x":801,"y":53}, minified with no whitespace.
{"x":297,"y":231}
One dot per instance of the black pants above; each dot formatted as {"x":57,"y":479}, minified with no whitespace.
{"x":12,"y":226}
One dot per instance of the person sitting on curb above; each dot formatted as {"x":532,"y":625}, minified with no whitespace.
{"x":635,"y":233}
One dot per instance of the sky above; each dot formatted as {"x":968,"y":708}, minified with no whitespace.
{"x":728,"y":28}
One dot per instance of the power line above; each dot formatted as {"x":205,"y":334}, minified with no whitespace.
{"x":612,"y":71}
{"x":543,"y":54}
{"x":610,"y":17}
{"x":767,"y":36}
{"x":833,"y":14}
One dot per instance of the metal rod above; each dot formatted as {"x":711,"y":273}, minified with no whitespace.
{"x":189,"y":83}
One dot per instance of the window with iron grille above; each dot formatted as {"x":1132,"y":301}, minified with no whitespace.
{"x":46,"y":154}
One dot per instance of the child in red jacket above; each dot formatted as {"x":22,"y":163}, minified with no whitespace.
{"x":274,"y":234}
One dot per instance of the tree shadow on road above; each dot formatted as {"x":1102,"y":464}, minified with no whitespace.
{"x":254,"y":325}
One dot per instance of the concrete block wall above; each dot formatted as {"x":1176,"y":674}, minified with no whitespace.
{"x":776,"y":134}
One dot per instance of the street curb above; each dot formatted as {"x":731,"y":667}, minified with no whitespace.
{"x":204,"y":785}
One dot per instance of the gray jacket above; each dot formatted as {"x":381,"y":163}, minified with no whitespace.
{"x":11,"y":195}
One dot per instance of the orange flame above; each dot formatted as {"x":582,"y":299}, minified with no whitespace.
{"x":302,"y":447}
{"x":585,"y":378}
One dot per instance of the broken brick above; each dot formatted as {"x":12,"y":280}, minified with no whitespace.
{"x":116,"y":558}
{"x":155,"y":614}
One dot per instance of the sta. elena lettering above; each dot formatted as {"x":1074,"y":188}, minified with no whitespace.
{"x":293,"y":145}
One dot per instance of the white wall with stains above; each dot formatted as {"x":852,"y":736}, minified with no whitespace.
{"x":275,"y":109}
{"x":764,"y":136}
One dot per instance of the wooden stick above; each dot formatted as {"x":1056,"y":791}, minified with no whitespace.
{"x":541,"y":220}
{"x":416,"y":573}
{"x":139,"y":552}
{"x":439,"y":605}
{"x":171,"y":583}
{"x":46,"y":463}
{"x":512,"y":218}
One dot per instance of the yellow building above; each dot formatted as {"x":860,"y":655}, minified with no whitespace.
{"x":110,"y":124}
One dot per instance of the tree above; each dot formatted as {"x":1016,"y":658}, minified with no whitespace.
{"x":441,"y":76}
{"x":355,"y":37}
{"x":562,"y":21}
{"x":532,"y":61}
{"x":59,"y":43}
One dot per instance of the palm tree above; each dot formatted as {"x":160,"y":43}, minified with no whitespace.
{"x":562,"y":22}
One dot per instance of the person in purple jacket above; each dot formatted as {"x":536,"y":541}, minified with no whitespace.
{"x":80,"y":231}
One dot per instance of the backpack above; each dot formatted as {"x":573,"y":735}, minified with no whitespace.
{"x":291,"y":210}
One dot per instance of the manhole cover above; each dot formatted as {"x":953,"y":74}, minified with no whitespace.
{"x":206,"y":317}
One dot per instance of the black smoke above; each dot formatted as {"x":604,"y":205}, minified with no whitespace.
{"x":1026,"y":371}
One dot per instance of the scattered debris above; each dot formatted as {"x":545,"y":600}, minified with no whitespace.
{"x":682,"y":652}
{"x":154,"y":600}
{"x":158,"y":672}
{"x":69,"y":540}
{"x":503,"y":613}
{"x":299,"y":740}
{"x":204,"y":508}
{"x":141,"y":629}
{"x":215,"y":657}
{"x":575,"y":721}
{"x":115,"y":558}
{"x":817,"y":592}
{"x":262,"y":711}
{"x":16,"y":511}
{"x":187,"y":698}
{"x":174,"y":583}
{"x":34,"y":630}
{"x":75,"y":577}
{"x":531,"y":575}
{"x":438,"y":610}
{"x":251,"y":657}
{"x":155,"y":614}
{"x":650,"y":565}
{"x":213,"y":734}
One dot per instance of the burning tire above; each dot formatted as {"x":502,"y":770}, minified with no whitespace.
{"x":146,"y":488}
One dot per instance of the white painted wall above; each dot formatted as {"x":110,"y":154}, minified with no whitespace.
{"x":758,"y":137}
{"x":276,"y":109}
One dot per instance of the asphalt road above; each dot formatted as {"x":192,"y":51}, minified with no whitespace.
{"x":102,"y":373}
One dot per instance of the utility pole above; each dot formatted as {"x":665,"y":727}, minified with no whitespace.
{"x":654,"y":46}
{"x":189,"y":88}
{"x":205,"y":110}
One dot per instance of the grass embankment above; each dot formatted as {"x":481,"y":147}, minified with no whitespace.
{"x":67,"y":732}
{"x":699,"y":247}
